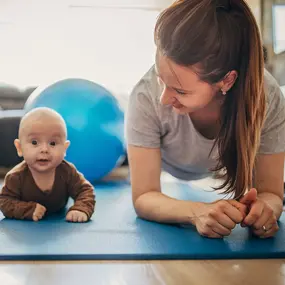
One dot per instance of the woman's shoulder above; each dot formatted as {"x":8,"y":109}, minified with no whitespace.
{"x":274,"y":95}
{"x":147,"y":90}
{"x":273,"y":132}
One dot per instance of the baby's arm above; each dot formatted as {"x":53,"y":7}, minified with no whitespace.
{"x":83,"y":194}
{"x":10,"y":203}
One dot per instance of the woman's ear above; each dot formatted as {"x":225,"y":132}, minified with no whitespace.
{"x":228,"y":81}
{"x":17,"y":144}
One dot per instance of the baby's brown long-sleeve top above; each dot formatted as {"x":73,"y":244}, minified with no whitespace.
{"x":20,"y":194}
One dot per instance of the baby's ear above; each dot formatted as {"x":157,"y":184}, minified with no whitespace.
{"x":66,"y":144}
{"x":17,"y":144}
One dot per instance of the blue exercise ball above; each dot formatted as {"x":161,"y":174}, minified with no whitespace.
{"x":94,"y":120}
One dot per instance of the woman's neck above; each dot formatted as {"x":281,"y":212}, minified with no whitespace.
{"x":207,"y":120}
{"x":212,"y":111}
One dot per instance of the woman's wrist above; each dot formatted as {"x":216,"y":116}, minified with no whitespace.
{"x":273,"y":201}
{"x":191,"y":210}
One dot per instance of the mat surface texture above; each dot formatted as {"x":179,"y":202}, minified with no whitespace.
{"x":115,"y":232}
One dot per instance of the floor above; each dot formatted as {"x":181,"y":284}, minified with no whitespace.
{"x":214,"y":272}
{"x":196,"y":272}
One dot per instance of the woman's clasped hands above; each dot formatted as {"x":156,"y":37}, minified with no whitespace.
{"x":218,"y":219}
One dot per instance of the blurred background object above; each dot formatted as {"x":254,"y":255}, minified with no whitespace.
{"x":106,"y":41}
{"x":109,"y":42}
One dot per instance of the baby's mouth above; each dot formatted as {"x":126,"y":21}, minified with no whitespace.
{"x":42,"y":160}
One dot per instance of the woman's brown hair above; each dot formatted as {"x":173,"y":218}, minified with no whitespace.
{"x":221,"y":36}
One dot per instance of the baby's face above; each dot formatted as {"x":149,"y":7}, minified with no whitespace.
{"x":43,"y":145}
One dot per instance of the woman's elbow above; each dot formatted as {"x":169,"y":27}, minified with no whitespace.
{"x":138,"y":206}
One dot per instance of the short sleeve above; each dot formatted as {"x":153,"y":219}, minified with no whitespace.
{"x":273,"y":132}
{"x":142,"y":124}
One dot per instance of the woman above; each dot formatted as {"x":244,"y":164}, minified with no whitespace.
{"x":208,"y":106}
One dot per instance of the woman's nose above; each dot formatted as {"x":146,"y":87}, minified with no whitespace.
{"x":166,"y":98}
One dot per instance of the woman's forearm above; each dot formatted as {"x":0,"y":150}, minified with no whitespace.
{"x":156,"y":206}
{"x":273,"y":201}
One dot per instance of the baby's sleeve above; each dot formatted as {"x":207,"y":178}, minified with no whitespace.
{"x":81,"y":191}
{"x":142,"y":124}
{"x":10,"y":199}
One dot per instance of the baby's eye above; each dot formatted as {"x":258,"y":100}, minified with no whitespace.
{"x":52,"y":143}
{"x":34,"y":142}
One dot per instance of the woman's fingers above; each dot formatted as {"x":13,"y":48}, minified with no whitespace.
{"x":235,"y":211}
{"x":268,"y":230}
{"x":221,"y":230}
{"x":254,"y":214}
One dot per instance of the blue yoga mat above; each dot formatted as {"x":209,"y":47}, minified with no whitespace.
{"x":115,"y":232}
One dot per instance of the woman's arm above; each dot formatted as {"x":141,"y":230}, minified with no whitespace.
{"x":149,"y":202}
{"x":213,"y":220}
{"x":269,"y":180}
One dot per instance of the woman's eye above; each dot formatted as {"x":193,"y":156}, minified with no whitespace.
{"x":52,"y":143}
{"x":34,"y":142}
{"x":180,"y":92}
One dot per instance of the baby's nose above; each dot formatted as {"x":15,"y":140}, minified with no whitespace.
{"x":44,"y":147}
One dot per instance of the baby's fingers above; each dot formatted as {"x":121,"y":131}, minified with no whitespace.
{"x":35,"y":218}
{"x":69,"y":217}
{"x":76,"y":217}
{"x":85,"y":218}
{"x":82,"y":218}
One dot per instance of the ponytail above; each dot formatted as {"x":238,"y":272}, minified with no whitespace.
{"x":222,"y":36}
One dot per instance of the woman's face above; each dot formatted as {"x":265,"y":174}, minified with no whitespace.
{"x":182,"y":87}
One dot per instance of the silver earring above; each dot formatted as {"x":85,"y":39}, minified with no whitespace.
{"x":224,"y":92}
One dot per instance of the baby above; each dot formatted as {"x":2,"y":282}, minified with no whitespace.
{"x":43,"y":181}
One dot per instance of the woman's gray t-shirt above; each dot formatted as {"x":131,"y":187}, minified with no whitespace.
{"x":185,"y":152}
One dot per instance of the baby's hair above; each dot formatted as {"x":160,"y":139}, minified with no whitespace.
{"x":41,"y":112}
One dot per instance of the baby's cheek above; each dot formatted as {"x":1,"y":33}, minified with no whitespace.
{"x":59,"y":153}
{"x":29,"y":153}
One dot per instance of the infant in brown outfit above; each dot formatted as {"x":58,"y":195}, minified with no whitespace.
{"x":44,"y":181}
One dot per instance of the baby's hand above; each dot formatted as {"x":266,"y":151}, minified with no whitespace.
{"x":76,"y":216}
{"x":39,"y":212}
